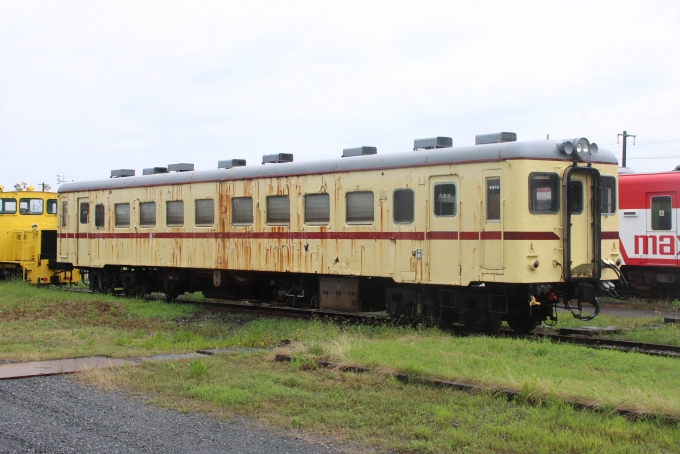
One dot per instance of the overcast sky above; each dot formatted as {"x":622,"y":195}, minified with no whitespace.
{"x":86,"y":87}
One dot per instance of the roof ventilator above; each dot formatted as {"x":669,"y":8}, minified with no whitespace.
{"x":496,"y":137}
{"x":181,"y":167}
{"x":229,"y":163}
{"x":277,"y":158}
{"x":120,"y":173}
{"x":358,"y":151}
{"x":432,"y":143}
{"x":154,"y":170}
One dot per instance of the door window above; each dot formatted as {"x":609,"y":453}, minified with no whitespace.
{"x":84,"y":212}
{"x":444,"y":199}
{"x":575,"y":197}
{"x":661,"y":213}
{"x":493,"y":199}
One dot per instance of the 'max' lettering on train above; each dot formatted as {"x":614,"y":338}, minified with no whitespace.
{"x":664,"y":244}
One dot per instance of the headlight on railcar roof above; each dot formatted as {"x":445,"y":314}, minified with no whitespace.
{"x":579,"y":148}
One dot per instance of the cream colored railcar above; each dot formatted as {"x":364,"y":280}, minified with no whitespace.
{"x":479,"y":234}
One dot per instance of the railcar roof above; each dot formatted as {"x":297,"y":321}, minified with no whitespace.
{"x":538,"y":150}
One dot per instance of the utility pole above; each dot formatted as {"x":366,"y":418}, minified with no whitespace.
{"x":625,"y":135}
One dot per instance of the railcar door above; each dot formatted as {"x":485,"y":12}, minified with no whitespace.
{"x":582,"y":232}
{"x":82,"y":232}
{"x":491,"y":235}
{"x":443,"y":235}
{"x":660,"y":245}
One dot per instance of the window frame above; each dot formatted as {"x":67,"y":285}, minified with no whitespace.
{"x":143,"y":224}
{"x":413,"y":207}
{"x":87,"y":213}
{"x":233,"y":212}
{"x":64,"y":214}
{"x":436,"y":203}
{"x":167,"y":213}
{"x":28,"y":200}
{"x":97,"y":208}
{"x":604,"y":178}
{"x":116,"y":223}
{"x":321,"y":195}
{"x":212,"y":220}
{"x":487,"y":203}
{"x":652,"y":210}
{"x":51,"y":202}
{"x":4,"y":202}
{"x":277,"y":197}
{"x":571,"y":212}
{"x":347,"y":207}
{"x":555,"y":201}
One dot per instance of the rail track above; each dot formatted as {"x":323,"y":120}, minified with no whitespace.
{"x":378,"y":317}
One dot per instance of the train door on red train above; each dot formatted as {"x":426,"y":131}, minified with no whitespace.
{"x":491,"y":235}
{"x":659,"y":247}
{"x":82,"y":231}
{"x":444,"y":245}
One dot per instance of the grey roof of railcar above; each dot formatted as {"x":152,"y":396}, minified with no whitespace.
{"x":539,"y":149}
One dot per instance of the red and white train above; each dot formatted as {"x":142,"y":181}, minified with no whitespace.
{"x":649,"y":237}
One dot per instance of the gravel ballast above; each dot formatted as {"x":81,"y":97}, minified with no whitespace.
{"x":57,"y":415}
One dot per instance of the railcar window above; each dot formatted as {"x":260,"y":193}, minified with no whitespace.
{"x":493,"y":199}
{"x":84,"y":212}
{"x":205,"y":212}
{"x":608,"y":195}
{"x":575,"y":197}
{"x":242,"y":210}
{"x":403,"y":201}
{"x":31,"y":206}
{"x":360,"y":208}
{"x":64,"y":214}
{"x":99,"y":212}
{"x":147,"y":214}
{"x":8,"y":206}
{"x":317,"y":209}
{"x":278,"y":209}
{"x":544,"y":193}
{"x":122,"y":214}
{"x":174,"y":213}
{"x":444,"y":199}
{"x":662,"y":216}
{"x":52,"y":206}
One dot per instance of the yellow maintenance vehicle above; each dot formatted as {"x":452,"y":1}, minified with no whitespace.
{"x":28,"y":237}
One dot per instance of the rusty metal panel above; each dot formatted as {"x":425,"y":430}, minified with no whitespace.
{"x":59,"y":366}
{"x":339,"y":293}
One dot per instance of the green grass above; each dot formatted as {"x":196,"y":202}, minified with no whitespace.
{"x":41,"y":323}
{"x":45,"y":323}
{"x":372,"y":410}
